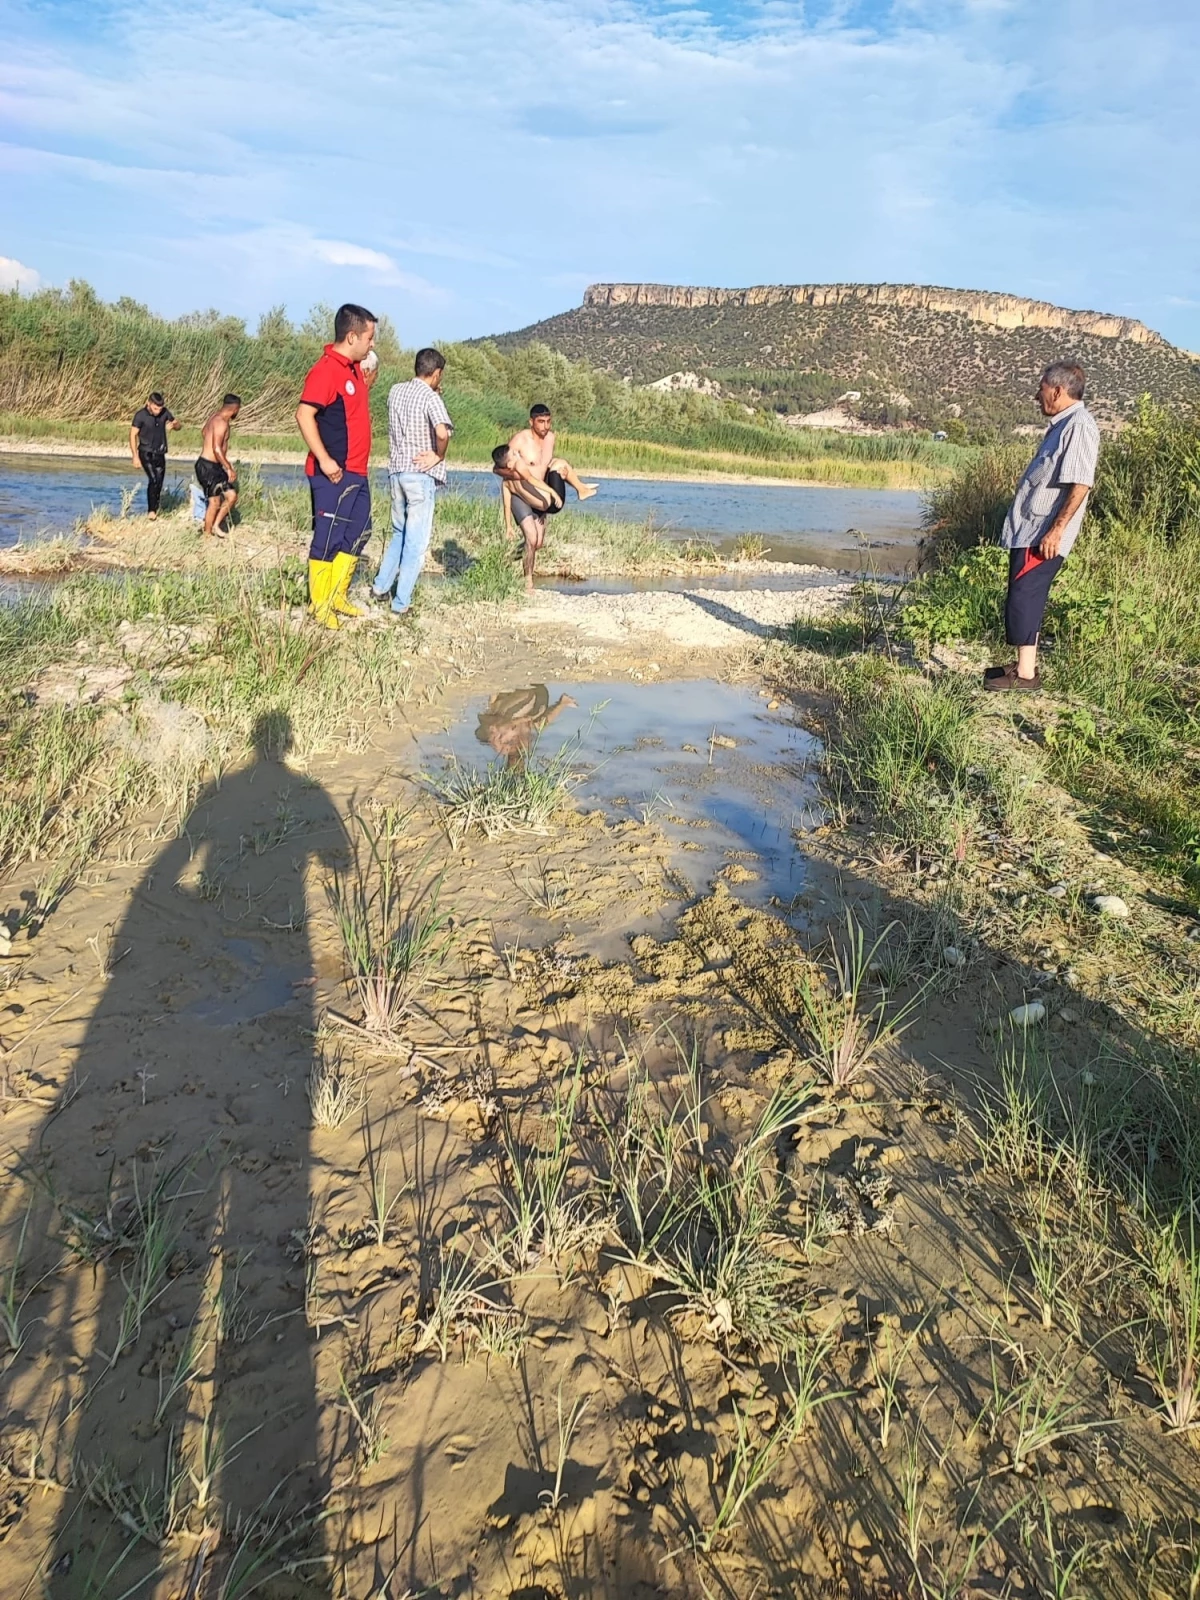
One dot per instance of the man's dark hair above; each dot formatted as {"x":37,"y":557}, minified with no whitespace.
{"x":351,"y":319}
{"x":231,"y":400}
{"x":428,"y":362}
{"x":538,"y":411}
{"x":156,"y":399}
{"x":1068,"y":375}
{"x":499,"y":455}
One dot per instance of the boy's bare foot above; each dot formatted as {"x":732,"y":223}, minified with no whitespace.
{"x":587,"y":490}
{"x":529,"y":583}
{"x":153,"y":516}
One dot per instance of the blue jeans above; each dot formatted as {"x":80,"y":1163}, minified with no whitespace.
{"x":413,"y":495}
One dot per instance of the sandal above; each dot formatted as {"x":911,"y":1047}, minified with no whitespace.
{"x":999,"y":680}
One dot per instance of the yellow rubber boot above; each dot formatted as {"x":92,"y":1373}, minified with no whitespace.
{"x":343,"y":568}
{"x":320,"y":589}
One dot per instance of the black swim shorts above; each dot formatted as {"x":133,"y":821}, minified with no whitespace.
{"x":555,"y":481}
{"x":522,"y":509}
{"x":213,"y":478}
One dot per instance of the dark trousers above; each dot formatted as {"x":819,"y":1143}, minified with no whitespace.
{"x":341,"y":515}
{"x":154,"y":465}
{"x":1029,"y":578}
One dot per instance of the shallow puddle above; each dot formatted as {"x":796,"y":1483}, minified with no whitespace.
{"x":728,"y":780}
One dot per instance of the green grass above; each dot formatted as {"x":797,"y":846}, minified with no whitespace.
{"x":498,"y":799}
{"x":915,"y":751}
{"x":73,"y":774}
{"x":1122,"y":632}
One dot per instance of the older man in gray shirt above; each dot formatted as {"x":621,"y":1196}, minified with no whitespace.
{"x":1045,"y":517}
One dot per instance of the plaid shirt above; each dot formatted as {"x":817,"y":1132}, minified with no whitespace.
{"x":414,"y":411}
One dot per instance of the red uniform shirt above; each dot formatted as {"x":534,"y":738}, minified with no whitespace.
{"x":337,"y":388}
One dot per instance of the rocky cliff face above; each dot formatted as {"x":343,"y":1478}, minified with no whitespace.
{"x":995,"y":310}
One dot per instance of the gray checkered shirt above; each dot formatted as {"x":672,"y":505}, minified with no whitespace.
{"x":414,"y":411}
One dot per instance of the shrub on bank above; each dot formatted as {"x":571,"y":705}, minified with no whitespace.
{"x":1122,"y":633}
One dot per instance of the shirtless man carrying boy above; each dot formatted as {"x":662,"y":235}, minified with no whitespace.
{"x":533,"y":483}
{"x":217,"y":477}
{"x":534,"y":449}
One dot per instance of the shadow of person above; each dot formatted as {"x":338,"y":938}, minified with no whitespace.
{"x":514,"y":718}
{"x":170,"y":1380}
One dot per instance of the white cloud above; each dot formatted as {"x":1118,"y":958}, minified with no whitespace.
{"x":288,"y":249}
{"x":16,"y":275}
{"x":911,"y":140}
{"x":340,"y":254}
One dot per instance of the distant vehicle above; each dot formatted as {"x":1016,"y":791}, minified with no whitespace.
{"x":941,"y":434}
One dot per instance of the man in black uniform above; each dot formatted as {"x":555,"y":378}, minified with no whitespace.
{"x":148,"y":446}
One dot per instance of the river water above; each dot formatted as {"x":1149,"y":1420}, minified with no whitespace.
{"x":829,"y":527}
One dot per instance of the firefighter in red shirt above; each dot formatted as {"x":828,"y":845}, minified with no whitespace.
{"x":334,"y":418}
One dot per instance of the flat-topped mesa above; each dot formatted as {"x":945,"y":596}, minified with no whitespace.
{"x":996,"y":310}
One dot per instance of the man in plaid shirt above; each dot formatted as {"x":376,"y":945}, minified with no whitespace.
{"x":419,"y":430}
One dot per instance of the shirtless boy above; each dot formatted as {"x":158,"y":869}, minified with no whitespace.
{"x":527,"y":501}
{"x":217,"y":477}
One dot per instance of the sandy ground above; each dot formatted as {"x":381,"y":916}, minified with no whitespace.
{"x":568,"y":1425}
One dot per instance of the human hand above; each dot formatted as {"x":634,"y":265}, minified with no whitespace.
{"x":1050,"y":543}
{"x":426,"y":459}
{"x":331,"y":469}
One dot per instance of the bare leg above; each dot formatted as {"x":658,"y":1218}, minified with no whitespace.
{"x":1027,"y":660}
{"x":222,"y":519}
{"x":534,"y":529}
{"x":585,"y":491}
{"x":212,"y":511}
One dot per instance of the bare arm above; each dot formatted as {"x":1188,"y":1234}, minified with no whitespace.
{"x":306,"y":421}
{"x":134,"y":436}
{"x":220,"y":440}
{"x":506,"y":505}
{"x":1051,"y":540}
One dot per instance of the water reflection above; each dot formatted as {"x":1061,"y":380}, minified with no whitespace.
{"x":728,"y":778}
{"x":513,"y":719}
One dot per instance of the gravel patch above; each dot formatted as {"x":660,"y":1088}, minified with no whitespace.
{"x":704,"y":618}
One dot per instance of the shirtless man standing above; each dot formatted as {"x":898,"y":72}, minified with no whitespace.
{"x":533,"y":483}
{"x":534,"y":449}
{"x":217,"y":477}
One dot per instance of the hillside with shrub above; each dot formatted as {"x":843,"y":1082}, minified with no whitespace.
{"x":933,"y":368}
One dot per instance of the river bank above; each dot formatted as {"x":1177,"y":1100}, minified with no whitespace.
{"x":694,"y":467}
{"x":624,"y":1197}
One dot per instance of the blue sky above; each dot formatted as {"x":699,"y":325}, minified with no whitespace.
{"x":470,"y":165}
